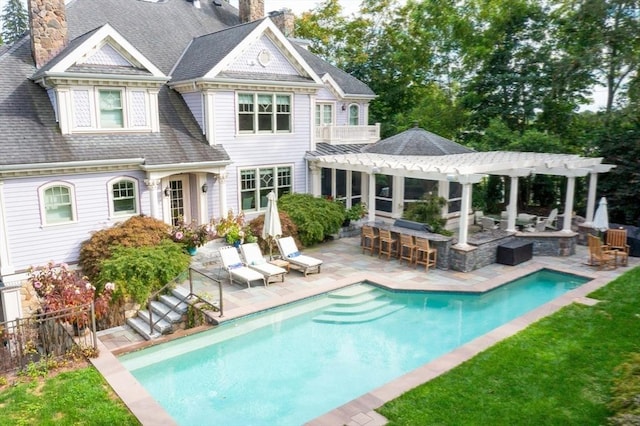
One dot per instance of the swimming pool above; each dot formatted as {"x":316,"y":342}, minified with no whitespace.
{"x":292,"y":364}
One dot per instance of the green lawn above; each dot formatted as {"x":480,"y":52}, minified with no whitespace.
{"x":79,"y":397}
{"x":559,"y":371}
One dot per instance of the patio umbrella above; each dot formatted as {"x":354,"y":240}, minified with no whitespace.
{"x":272,"y":227}
{"x":601,"y":218}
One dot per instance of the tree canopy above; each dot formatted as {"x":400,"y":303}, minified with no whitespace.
{"x":14,"y":21}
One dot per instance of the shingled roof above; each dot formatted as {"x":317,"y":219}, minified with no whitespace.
{"x":416,"y":141}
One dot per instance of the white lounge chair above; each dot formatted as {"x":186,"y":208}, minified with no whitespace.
{"x":255,"y":260}
{"x":232,"y":263}
{"x":289,"y":252}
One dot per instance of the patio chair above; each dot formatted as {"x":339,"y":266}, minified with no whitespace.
{"x":369,"y":239}
{"x":549,"y":222}
{"x":408,"y":248}
{"x":598,"y":254}
{"x":425,"y":255}
{"x":289,"y":251}
{"x":255,"y":260}
{"x":232,"y":263}
{"x":388,"y":244}
{"x":617,"y":240}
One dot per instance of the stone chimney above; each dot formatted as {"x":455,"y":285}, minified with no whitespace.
{"x":48,"y":27}
{"x":251,"y":10}
{"x":285,"y":20}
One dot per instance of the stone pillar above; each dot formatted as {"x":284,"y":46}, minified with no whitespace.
{"x":250,"y":10}
{"x":48,"y":26}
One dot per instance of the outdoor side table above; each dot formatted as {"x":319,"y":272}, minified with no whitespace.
{"x":514,"y":252}
{"x":281,"y":263}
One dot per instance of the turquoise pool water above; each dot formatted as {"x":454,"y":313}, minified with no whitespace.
{"x":292,"y":364}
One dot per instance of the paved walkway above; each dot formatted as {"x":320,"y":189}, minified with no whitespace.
{"x":345,"y":264}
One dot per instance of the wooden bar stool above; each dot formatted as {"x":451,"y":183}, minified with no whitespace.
{"x":369,"y":239}
{"x":425,"y":255}
{"x":408,"y":248}
{"x":388,"y":244}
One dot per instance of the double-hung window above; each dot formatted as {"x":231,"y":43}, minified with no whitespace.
{"x":264,"y":113}
{"x":255,"y":185}
{"x":58,"y":204}
{"x":124,"y":199}
{"x":111,"y":111}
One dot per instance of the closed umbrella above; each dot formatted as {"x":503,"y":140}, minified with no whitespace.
{"x":272,"y":227}
{"x":601,"y":218}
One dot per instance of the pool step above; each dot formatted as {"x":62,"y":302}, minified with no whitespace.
{"x":357,"y":304}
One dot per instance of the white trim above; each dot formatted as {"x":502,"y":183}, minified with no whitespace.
{"x":136,"y":191}
{"x":96,"y":41}
{"x":42,"y":203}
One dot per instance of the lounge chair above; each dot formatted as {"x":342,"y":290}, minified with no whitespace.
{"x":255,"y":260}
{"x":232,"y":263}
{"x":488,"y":223}
{"x":289,"y":252}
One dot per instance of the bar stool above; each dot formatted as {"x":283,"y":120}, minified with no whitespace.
{"x":388,"y":244}
{"x":425,"y":255}
{"x":408,"y":248}
{"x":369,"y":239}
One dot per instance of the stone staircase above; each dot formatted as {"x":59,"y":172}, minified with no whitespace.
{"x":174,"y":306}
{"x":357,"y":305}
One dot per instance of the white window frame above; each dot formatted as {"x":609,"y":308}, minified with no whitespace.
{"x":258,"y":202}
{"x":44,"y":207}
{"x":320,"y":116}
{"x":127,"y":110}
{"x":357,"y":116}
{"x":255,"y":113}
{"x":112,"y":199}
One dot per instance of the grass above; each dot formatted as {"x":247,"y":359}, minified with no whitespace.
{"x":559,"y":371}
{"x":79,"y":397}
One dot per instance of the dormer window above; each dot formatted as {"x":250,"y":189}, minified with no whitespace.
{"x":111,"y":113}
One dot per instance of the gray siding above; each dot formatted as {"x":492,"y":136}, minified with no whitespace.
{"x":31,"y":244}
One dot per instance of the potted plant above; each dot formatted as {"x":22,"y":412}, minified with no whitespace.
{"x":59,"y":288}
{"x":355,"y":212}
{"x":232,"y":228}
{"x":191,"y":235}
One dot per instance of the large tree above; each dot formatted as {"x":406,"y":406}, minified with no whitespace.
{"x":14,"y":21}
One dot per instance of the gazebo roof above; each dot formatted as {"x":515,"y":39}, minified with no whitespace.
{"x":416,"y":141}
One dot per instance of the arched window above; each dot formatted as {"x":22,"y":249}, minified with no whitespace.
{"x":354,"y":115}
{"x":58,"y":206}
{"x":123,"y":197}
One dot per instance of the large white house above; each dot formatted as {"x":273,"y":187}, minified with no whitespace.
{"x":167,"y":108}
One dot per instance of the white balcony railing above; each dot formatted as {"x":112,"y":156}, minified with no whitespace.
{"x":339,"y":135}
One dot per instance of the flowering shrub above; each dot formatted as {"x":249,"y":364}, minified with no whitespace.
{"x":60,"y":288}
{"x":232,"y":227}
{"x":191,"y":235}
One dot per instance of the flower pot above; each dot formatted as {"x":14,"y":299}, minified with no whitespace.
{"x":192,"y":250}
{"x":236,"y":244}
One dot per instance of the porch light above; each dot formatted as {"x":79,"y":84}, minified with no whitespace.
{"x":205,"y":187}
{"x":167,"y":191}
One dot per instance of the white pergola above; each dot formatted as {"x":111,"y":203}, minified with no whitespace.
{"x":470,"y":168}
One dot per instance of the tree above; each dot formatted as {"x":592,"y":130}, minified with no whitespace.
{"x":15,"y":21}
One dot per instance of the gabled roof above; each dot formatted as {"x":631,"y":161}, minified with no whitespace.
{"x":416,"y":141}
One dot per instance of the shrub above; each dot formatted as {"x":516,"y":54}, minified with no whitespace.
{"x":288,"y":228}
{"x":139,"y":271}
{"x":428,"y":210}
{"x":316,"y":218}
{"x":137,"y":231}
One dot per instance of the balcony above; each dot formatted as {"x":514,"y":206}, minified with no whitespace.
{"x":342,"y":135}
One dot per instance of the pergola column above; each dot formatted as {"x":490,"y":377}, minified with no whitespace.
{"x":593,"y":186}
{"x":568,"y":204}
{"x":467,"y":182}
{"x":153,"y":185}
{"x":315,"y":180}
{"x":512,"y":208}
{"x":371,"y":203}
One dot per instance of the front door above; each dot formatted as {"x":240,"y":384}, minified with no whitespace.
{"x":179,"y":202}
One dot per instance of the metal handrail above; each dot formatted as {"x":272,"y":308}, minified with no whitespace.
{"x":191,"y":294}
